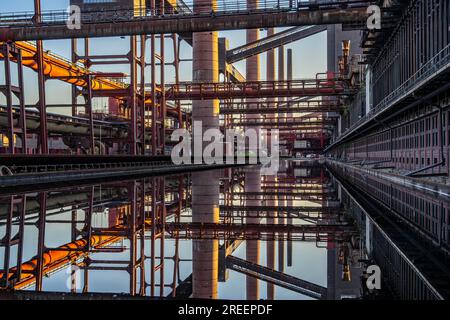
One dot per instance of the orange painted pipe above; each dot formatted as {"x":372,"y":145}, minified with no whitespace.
{"x":57,"y":67}
{"x":56,"y":258}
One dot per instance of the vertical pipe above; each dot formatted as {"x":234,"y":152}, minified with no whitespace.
{"x":270,"y":66}
{"x":289,"y":77}
{"x":205,"y":69}
{"x":153,"y":237}
{"x":142,"y":257}
{"x":90,"y":113}
{"x":270,"y":245}
{"x":39,"y":271}
{"x":162,"y":188}
{"x":162,"y":86}
{"x":43,"y":136}
{"x":252,"y":184}
{"x":281,"y":78}
{"x":176,"y":255}
{"x":74,"y":54}
{"x":253,"y":177}
{"x":290,"y":71}
{"x":21,"y":96}
{"x":252,"y":63}
{"x":289,"y":203}
{"x":281,"y":220}
{"x":205,"y":185}
{"x":9,"y":97}
{"x":153,"y":104}
{"x":142,"y":107}
{"x":21,"y":236}
{"x":88,"y":223}
{"x":176,"y":62}
{"x":132,"y":95}
{"x":7,"y":243}
{"x":205,"y":252}
{"x":133,"y":238}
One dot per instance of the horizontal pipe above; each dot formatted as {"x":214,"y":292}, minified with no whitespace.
{"x":190,"y":23}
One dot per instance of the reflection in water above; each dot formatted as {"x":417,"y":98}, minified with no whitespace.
{"x":229,"y":233}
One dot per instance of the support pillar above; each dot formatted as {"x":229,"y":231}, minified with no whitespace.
{"x":252,"y":247}
{"x":16,"y":127}
{"x":270,"y":67}
{"x":253,"y":176}
{"x":270,"y":245}
{"x":252,"y":63}
{"x":205,"y":252}
{"x":290,"y":71}
{"x":205,"y":185}
{"x":205,"y":69}
{"x":281,"y":77}
{"x":43,"y":134}
{"x":289,"y":77}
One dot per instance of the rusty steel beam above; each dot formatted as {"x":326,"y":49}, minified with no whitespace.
{"x":282,"y":122}
{"x":186,"y":23}
{"x":258,"y":89}
{"x":279,"y":278}
{"x":275,"y":107}
{"x":271,"y":42}
{"x":42,"y":106}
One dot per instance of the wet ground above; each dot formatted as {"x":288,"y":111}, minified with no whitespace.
{"x":228,"y":234}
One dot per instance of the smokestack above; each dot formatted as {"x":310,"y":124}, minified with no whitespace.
{"x":345,"y":54}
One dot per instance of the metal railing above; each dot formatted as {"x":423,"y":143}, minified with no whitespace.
{"x":85,"y":166}
{"x":216,"y":88}
{"x":223,"y":7}
{"x":434,"y":66}
{"x":267,"y":105}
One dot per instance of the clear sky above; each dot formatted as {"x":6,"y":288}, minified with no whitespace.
{"x":309,"y":56}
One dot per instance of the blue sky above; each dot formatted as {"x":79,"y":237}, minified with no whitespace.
{"x":309,"y":56}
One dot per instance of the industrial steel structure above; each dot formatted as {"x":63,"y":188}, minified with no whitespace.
{"x":372,"y":133}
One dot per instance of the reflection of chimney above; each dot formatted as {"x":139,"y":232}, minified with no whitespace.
{"x":346,"y":273}
{"x":252,"y":251}
{"x":343,"y":257}
{"x":205,"y":252}
{"x":345,"y":54}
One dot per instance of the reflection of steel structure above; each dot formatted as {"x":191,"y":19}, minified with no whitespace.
{"x":143,"y":217}
{"x":318,"y":233}
{"x":8,"y":53}
{"x":279,"y":278}
{"x":124,"y":233}
{"x":412,"y":266}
